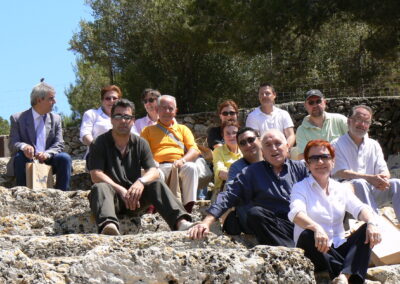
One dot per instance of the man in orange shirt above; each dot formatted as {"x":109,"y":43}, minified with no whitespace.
{"x":173,"y":145}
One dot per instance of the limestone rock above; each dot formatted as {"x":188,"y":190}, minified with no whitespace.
{"x":148,"y":258}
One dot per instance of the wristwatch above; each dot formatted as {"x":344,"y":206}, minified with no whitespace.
{"x":142,"y":181}
{"x":373,"y":223}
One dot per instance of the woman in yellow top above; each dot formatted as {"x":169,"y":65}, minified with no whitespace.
{"x":225,"y":156}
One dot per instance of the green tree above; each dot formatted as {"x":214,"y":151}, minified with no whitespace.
{"x":85,"y":94}
{"x":4,"y":127}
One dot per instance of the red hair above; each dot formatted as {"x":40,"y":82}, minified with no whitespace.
{"x":318,"y":143}
{"x":110,"y":88}
{"x":226,"y":104}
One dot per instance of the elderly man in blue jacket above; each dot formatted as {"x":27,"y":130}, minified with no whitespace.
{"x":265,"y":186}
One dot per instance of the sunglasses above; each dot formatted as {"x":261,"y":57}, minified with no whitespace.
{"x":151,"y":100}
{"x":311,"y":103}
{"x":111,"y":98}
{"x":315,"y":158}
{"x":231,"y":113}
{"x":122,"y":116}
{"x":249,"y":140}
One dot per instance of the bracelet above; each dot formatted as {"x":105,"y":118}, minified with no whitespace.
{"x":183,"y":160}
{"x":142,"y":181}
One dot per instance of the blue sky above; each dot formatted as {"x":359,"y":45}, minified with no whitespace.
{"x":34,"y":44}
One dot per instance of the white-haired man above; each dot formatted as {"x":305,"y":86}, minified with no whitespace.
{"x":173,"y":145}
{"x":266,"y":186}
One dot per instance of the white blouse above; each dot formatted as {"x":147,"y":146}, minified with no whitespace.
{"x":327,"y":210}
{"x":95,"y":122}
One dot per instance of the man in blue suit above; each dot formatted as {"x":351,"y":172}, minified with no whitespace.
{"x":37,"y":133}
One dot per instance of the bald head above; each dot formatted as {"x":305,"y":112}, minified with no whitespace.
{"x":275,"y":147}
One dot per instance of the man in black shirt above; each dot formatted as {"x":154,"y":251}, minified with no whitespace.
{"x":115,"y":162}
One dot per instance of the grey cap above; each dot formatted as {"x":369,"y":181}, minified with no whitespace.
{"x":314,"y":92}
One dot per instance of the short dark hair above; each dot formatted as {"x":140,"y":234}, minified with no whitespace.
{"x":123,"y":103}
{"x":245,"y":129}
{"x":153,"y":92}
{"x":262,"y":85}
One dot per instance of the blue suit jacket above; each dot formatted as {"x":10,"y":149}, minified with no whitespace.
{"x":23,"y":131}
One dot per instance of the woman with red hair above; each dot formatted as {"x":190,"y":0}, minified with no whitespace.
{"x":318,"y":205}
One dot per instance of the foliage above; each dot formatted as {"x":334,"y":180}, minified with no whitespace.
{"x":85,"y":94}
{"x":4,"y":126}
{"x":204,"y":51}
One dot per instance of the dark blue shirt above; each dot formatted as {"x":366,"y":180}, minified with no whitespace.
{"x":260,"y":186}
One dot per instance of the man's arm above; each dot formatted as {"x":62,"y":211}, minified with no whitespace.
{"x":301,"y":142}
{"x":200,"y":230}
{"x":99,"y":176}
{"x":290,"y":136}
{"x":380,"y":181}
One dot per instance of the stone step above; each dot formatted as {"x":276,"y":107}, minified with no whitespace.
{"x":166,"y":257}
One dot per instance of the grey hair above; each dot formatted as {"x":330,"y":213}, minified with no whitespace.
{"x":166,"y":97}
{"x":274,"y":131}
{"x":354,"y":108}
{"x":40,"y":91}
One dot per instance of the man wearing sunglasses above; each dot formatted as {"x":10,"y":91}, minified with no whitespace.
{"x":268,"y":116}
{"x":318,"y":124}
{"x":115,"y":162}
{"x":265,"y":186}
{"x":360,"y":159}
{"x":37,"y":134}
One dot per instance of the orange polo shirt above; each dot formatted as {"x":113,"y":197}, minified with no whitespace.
{"x":164,"y":148}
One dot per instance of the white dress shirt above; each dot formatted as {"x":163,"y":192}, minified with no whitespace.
{"x":277,"y":119}
{"x":366,"y":159}
{"x":95,"y":122}
{"x":327,"y":210}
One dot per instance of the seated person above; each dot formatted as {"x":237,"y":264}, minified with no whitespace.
{"x":227,"y":111}
{"x":249,"y":143}
{"x":318,"y":124}
{"x":318,"y":205}
{"x":266,"y":186}
{"x":97,"y":121}
{"x":360,"y":160}
{"x":268,"y":116}
{"x":115,"y":162}
{"x":173,"y":145}
{"x":149,"y":98}
{"x":224,"y":156}
{"x":37,"y":134}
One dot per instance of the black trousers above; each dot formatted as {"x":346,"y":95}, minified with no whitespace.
{"x":352,"y":257}
{"x":270,"y":228}
{"x":106,"y":204}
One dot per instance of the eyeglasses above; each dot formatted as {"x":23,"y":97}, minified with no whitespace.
{"x":361,"y":121}
{"x":311,"y":103}
{"x":315,"y":158}
{"x":231,"y":113}
{"x":122,"y":116}
{"x":151,"y":100}
{"x":111,"y":98}
{"x":249,"y":140}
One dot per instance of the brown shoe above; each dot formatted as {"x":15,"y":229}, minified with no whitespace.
{"x":110,"y":229}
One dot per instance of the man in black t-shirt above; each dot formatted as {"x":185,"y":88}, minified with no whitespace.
{"x":115,"y":162}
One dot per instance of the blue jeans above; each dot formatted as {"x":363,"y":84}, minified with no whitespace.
{"x":61,"y":164}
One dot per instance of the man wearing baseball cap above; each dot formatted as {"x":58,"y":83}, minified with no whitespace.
{"x":318,"y":124}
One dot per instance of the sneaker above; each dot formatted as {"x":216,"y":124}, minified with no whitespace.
{"x":185,"y":225}
{"x":110,"y":229}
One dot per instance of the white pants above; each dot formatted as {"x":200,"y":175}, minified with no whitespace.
{"x":189,"y":179}
{"x":377,"y":198}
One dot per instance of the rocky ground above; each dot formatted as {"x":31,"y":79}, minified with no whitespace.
{"x":49,"y":236}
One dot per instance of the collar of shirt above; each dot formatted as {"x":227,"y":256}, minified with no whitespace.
{"x":261,"y":113}
{"x":308,"y":124}
{"x":172,"y":126}
{"x":36,"y":117}
{"x":102,"y":113}
{"x":284,"y":170}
